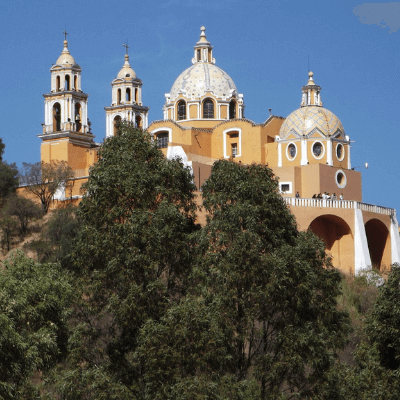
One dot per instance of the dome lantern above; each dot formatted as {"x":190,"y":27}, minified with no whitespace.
{"x":311,"y":93}
{"x":203,"y":49}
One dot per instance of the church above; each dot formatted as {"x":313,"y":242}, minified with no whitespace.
{"x":204,"y":120}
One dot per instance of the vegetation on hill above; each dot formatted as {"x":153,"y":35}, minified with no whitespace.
{"x":133,"y":300}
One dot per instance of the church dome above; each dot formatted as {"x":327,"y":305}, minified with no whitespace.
{"x":306,"y":120}
{"x":126,"y":70}
{"x":311,"y":116}
{"x":202,"y":77}
{"x":65,"y":57}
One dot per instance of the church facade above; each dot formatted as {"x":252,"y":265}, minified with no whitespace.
{"x":204,"y":121}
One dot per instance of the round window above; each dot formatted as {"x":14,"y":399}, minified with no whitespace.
{"x":318,"y":149}
{"x":291,"y":151}
{"x":339,"y":151}
{"x":341,"y":179}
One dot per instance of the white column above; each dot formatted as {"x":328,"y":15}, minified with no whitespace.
{"x":362,"y":259}
{"x":329,"y":159}
{"x":304,"y":158}
{"x":279,"y":154}
{"x":395,"y":239}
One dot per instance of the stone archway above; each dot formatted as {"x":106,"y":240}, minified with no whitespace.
{"x":378,"y":243}
{"x":338,"y":238}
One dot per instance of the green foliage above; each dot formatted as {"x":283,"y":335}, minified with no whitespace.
{"x":62,"y":229}
{"x":44,"y":179}
{"x":261,"y":321}
{"x":56,"y":239}
{"x":34,"y":306}
{"x":8,"y":175}
{"x":133,"y":252}
{"x":9,"y":229}
{"x":24,"y":209}
{"x":383,"y":325}
{"x":8,"y":179}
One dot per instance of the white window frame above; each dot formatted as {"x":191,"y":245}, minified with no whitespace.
{"x":287,"y":151}
{"x":239,"y":149}
{"x":290,"y":191}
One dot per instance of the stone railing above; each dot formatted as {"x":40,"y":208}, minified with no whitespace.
{"x":347,"y":204}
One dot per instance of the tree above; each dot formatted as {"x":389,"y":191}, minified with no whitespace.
{"x":62,"y":229}
{"x":24,"y":209}
{"x":133,"y":252}
{"x":8,"y":175}
{"x":34,"y":306}
{"x":9,"y":229}
{"x":55,"y":241}
{"x":44,"y":179}
{"x":383,"y":325}
{"x":260,"y":318}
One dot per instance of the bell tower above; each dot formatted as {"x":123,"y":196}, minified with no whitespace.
{"x":66,"y":131}
{"x":126,"y":100}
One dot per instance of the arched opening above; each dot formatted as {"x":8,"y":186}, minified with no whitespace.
{"x":128,"y":95}
{"x":162,"y":139}
{"x":119,"y":96}
{"x":58,"y":83}
{"x":136,"y":95}
{"x":181,"y":110}
{"x":338,"y":239}
{"x":117,"y":121}
{"x":67,"y":83}
{"x":232,"y":109}
{"x":75,"y":83}
{"x":378,"y":243}
{"x":208,"y":108}
{"x":78,"y":117}
{"x":138,"y":121}
{"x":56,"y":117}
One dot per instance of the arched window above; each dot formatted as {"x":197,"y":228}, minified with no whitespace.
{"x":232,"y":109}
{"x":119,"y":96}
{"x":138,"y":121}
{"x":208,"y":108}
{"x":128,"y":95}
{"x":78,"y":118}
{"x":56,"y":117}
{"x":58,"y":83}
{"x":75,"y":83}
{"x":136,"y":95}
{"x":162,"y":140}
{"x":67,"y":83}
{"x":181,"y":110}
{"x":117,"y":121}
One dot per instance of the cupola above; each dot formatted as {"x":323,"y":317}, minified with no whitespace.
{"x":126,"y":101}
{"x":203,"y":91}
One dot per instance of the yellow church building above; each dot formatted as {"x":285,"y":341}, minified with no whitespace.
{"x":204,"y":121}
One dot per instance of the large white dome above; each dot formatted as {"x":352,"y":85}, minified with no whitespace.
{"x":202,"y":77}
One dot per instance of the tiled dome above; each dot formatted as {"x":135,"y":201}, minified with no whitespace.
{"x":306,"y":120}
{"x":202,"y":77}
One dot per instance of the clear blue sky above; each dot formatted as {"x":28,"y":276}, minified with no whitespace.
{"x":352,"y":47}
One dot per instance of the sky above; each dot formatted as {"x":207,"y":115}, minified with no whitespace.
{"x":267,"y":47}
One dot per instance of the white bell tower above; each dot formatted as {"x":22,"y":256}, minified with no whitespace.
{"x":66,"y":105}
{"x":126,"y":100}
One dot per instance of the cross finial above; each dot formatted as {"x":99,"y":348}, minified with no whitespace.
{"x":65,"y":34}
{"x":126,"y":47}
